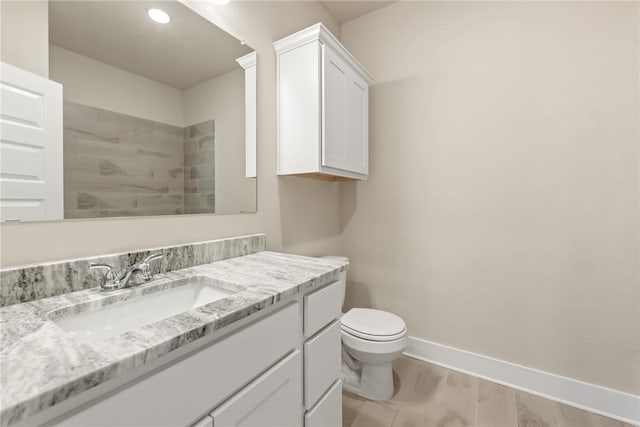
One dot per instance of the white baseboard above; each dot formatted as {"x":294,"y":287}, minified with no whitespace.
{"x":601,"y":400}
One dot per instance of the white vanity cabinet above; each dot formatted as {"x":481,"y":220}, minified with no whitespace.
{"x":323,"y":108}
{"x":280,"y":367}
{"x":179,"y":394}
{"x":323,"y":356}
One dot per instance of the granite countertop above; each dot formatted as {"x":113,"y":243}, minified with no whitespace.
{"x":41,"y":365}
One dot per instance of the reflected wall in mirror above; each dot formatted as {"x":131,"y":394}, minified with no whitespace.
{"x":153,"y":114}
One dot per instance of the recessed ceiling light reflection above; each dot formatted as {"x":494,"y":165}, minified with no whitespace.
{"x":159,"y":16}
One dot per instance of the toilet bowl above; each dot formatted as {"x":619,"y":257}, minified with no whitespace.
{"x":371,"y":341}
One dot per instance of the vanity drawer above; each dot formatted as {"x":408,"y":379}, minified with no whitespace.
{"x":194,"y":385}
{"x":322,"y":363}
{"x":328,"y":411}
{"x":322,"y":307}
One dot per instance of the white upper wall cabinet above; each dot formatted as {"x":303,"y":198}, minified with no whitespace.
{"x":323,"y":108}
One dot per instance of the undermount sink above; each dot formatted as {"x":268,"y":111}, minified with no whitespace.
{"x":181,"y":296}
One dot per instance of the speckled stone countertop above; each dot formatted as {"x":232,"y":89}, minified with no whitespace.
{"x":41,"y":365}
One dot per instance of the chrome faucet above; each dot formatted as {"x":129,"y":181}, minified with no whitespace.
{"x":112,"y":280}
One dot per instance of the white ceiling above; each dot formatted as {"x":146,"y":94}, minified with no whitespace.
{"x":346,"y":10}
{"x":181,"y":54}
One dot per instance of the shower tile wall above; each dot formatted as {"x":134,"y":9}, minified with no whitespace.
{"x":199,"y":168}
{"x":119,"y":165}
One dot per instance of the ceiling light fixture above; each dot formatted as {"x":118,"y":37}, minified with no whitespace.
{"x":159,"y":16}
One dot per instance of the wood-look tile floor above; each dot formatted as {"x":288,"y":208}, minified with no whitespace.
{"x":427,"y":395}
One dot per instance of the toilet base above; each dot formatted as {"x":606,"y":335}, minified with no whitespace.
{"x":374,"y":382}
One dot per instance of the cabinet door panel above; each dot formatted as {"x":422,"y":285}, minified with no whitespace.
{"x":334,"y":104}
{"x":274,"y":399}
{"x":357,"y":147}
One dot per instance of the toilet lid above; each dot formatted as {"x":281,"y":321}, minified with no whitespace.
{"x":376,"y":325}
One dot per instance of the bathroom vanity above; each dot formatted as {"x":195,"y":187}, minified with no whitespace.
{"x":264,"y":351}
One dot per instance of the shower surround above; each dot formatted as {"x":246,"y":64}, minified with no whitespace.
{"x":119,"y":165}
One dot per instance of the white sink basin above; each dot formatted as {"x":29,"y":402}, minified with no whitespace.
{"x":115,"y":319}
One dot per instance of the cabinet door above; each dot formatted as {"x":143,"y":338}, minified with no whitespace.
{"x":274,"y":399}
{"x":357,"y":125}
{"x":335,"y":73}
{"x":345,"y":116}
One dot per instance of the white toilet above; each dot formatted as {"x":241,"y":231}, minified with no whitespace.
{"x":371,"y":340}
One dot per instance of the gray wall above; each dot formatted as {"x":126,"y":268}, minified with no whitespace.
{"x":501,"y":213}
{"x":27,"y":23}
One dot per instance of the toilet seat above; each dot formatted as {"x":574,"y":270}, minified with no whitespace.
{"x":369,"y":337}
{"x":370,"y":347}
{"x":373,"y":325}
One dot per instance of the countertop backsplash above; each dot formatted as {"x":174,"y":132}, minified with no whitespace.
{"x":28,"y":283}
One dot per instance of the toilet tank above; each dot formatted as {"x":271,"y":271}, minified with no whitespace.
{"x":343,"y":275}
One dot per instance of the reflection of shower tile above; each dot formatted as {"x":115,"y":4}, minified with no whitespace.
{"x":199,"y":167}
{"x":191,"y":186}
{"x":111,"y":200}
{"x":70,"y":200}
{"x":208,"y":210}
{"x":199,"y":185}
{"x":200,"y":158}
{"x":206,"y":143}
{"x":110,"y":159}
{"x":193,"y":200}
{"x":190,"y":146}
{"x":204,"y":128}
{"x":108,"y":153}
{"x":173,"y":201}
{"x":125,"y":184}
{"x":201,"y":172}
{"x":199,"y":144}
{"x":109,"y":168}
{"x":200,"y":200}
{"x":87,"y":201}
{"x":207,"y":185}
{"x":195,"y":159}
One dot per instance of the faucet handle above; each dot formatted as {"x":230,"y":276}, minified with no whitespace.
{"x":110,"y":280}
{"x":152,"y":257}
{"x":145,"y":268}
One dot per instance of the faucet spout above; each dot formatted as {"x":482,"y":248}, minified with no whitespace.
{"x":140,"y":272}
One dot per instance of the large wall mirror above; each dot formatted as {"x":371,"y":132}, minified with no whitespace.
{"x":157,"y":117}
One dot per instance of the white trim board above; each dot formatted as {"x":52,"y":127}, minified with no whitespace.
{"x":593,"y":398}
